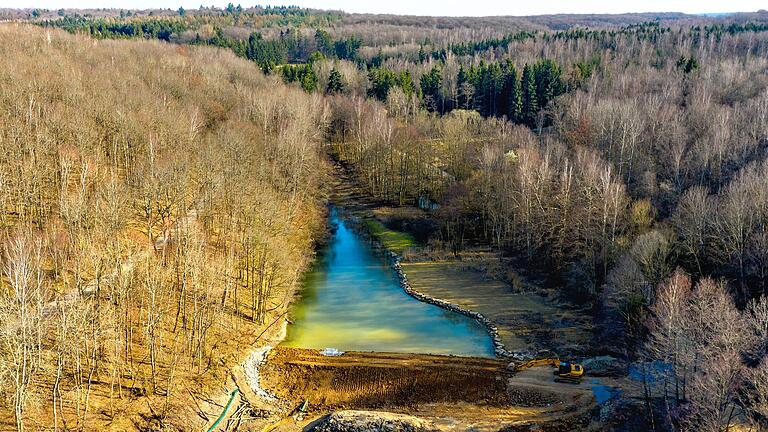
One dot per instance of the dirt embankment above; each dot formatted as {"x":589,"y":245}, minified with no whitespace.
{"x":383,"y":380}
{"x":454,"y":393}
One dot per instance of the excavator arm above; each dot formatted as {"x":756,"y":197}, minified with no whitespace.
{"x":566,"y":372}
{"x":536,"y":363}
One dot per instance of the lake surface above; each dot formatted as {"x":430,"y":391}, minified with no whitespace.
{"x":352,"y":301}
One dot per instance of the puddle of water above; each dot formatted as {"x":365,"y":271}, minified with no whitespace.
{"x":352,"y":301}
{"x":603,"y":393}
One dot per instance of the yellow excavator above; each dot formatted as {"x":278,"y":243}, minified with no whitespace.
{"x":565,"y":372}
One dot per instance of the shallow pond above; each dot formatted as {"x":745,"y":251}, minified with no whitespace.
{"x":352,"y":301}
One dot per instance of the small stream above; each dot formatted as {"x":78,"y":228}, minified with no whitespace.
{"x":352,"y":301}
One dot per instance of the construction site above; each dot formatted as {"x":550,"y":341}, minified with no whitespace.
{"x":443,"y":392}
{"x":510,"y":381}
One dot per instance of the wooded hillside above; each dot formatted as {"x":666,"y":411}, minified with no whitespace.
{"x":158,"y":204}
{"x":173,"y":186}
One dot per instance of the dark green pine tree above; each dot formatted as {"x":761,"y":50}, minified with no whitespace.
{"x":687,"y":65}
{"x":405,"y":81}
{"x":335,"y":82}
{"x":514,"y":99}
{"x":548,"y":82}
{"x":473,"y":75}
{"x":489,"y":89}
{"x":289,"y":73}
{"x":323,"y":42}
{"x":464,"y":93}
{"x":691,"y":65}
{"x":381,"y":80}
{"x":430,"y":88}
{"x":482,"y":89}
{"x":530,"y":104}
{"x":308,"y":79}
{"x":422,"y":54}
{"x":496,"y":85}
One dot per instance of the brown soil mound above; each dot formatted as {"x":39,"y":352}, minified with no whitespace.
{"x":379,"y":380}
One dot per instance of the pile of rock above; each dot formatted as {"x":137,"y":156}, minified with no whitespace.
{"x":605,"y":366}
{"x":493,"y":331}
{"x":251,"y":370}
{"x":371,"y":421}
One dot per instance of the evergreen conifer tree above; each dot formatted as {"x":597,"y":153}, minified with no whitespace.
{"x":513,"y":93}
{"x":530,"y":104}
{"x":335,"y":82}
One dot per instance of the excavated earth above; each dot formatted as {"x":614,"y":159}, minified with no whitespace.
{"x":445,"y":392}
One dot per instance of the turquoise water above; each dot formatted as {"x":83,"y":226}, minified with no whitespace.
{"x":352,"y":301}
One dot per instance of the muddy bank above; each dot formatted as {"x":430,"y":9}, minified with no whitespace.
{"x":526,"y":323}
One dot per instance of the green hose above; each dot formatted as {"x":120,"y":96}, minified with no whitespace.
{"x":232,"y":395}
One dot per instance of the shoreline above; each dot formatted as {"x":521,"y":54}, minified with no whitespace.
{"x":358,"y":216}
{"x":259,"y":355}
{"x":499,"y":350}
{"x":493,"y":332}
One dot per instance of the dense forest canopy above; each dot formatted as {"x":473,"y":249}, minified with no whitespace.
{"x":624,"y":159}
{"x":482,"y":73}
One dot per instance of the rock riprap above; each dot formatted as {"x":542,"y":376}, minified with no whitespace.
{"x":371,"y":421}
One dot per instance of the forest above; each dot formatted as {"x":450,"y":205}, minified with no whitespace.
{"x":157,"y":200}
{"x":173,"y":174}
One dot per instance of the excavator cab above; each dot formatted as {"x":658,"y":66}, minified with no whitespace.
{"x":569,"y":372}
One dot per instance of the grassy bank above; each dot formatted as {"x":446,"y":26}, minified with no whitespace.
{"x":395,"y":241}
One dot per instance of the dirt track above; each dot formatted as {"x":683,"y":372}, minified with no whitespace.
{"x":455,"y":392}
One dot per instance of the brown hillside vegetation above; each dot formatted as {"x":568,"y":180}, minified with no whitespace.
{"x":157,"y":205}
